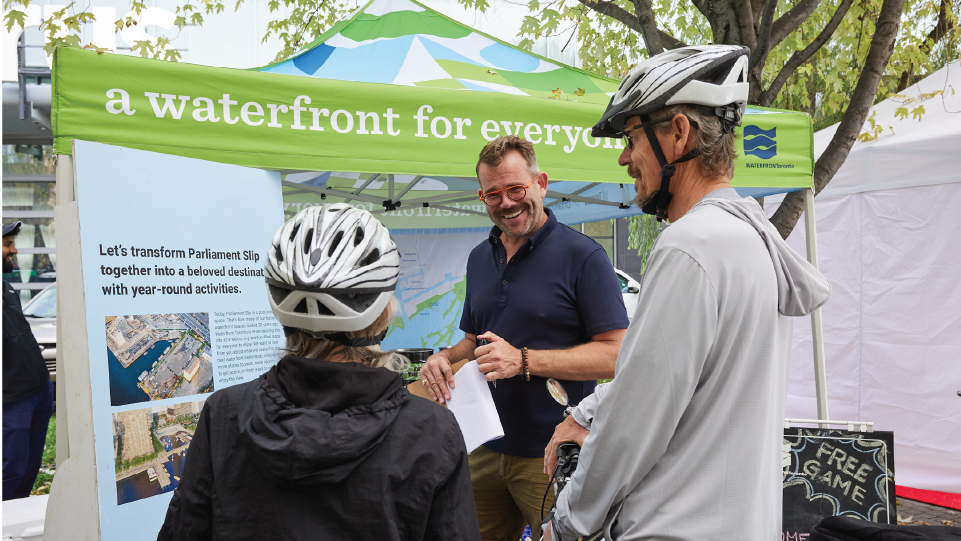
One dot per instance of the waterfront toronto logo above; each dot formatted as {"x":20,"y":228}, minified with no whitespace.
{"x":760,"y":143}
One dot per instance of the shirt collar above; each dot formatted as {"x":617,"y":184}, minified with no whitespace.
{"x":535,"y":239}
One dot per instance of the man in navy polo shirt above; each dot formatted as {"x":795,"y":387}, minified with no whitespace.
{"x":547,"y":300}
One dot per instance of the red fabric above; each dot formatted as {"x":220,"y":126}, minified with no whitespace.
{"x":944,"y":499}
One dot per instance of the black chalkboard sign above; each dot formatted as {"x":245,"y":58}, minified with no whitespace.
{"x":836,"y":473}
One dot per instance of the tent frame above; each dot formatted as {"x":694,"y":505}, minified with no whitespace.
{"x":817,"y":330}
{"x":443,"y":201}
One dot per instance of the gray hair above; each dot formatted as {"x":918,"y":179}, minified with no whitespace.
{"x":302,"y":345}
{"x":716,"y":151}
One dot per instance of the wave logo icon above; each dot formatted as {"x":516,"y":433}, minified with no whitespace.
{"x":760,"y":143}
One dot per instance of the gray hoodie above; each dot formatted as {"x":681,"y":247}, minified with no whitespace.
{"x":686,"y":441}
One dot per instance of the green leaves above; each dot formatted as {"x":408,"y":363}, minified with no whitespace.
{"x":13,"y":17}
{"x":643,"y":231}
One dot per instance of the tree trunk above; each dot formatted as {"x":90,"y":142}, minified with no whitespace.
{"x":882,"y":45}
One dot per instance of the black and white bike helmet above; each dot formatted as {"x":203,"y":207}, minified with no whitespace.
{"x":331,"y":269}
{"x":710,"y":77}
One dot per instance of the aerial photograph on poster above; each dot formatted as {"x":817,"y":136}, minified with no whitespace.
{"x":150,"y":447}
{"x":158,"y":356}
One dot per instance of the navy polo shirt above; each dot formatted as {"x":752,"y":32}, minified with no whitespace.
{"x":557,"y":291}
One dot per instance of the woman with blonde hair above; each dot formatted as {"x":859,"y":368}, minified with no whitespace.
{"x":328,"y":444}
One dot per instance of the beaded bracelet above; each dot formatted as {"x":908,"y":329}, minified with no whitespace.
{"x":527,"y":373}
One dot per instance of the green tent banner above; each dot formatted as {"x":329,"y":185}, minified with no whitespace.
{"x":290,"y":123}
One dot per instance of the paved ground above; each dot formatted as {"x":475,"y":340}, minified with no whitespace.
{"x":914,"y":512}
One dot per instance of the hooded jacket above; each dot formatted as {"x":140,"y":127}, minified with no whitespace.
{"x":686,"y":442}
{"x":318,"y":450}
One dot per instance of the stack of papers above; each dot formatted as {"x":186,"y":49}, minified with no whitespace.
{"x":473,"y":407}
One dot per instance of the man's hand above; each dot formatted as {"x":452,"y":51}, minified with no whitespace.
{"x":567,"y":431}
{"x":498,"y":359}
{"x":547,"y":532}
{"x":438,"y":377}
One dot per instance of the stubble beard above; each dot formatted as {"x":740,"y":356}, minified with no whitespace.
{"x":640,"y":198}
{"x":528,"y":226}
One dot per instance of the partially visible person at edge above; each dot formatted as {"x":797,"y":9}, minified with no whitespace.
{"x":328,"y":444}
{"x":534,"y":286}
{"x":686,"y":442}
{"x":27,"y":390}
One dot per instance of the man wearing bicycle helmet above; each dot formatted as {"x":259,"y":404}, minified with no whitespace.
{"x":328,"y":444}
{"x":685,"y":442}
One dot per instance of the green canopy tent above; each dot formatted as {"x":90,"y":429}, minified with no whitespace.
{"x":402,"y":98}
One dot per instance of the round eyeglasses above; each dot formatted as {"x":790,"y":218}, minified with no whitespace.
{"x":515,"y":193}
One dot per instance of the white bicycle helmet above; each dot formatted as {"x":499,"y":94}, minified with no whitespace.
{"x":331,"y":269}
{"x":712,"y":78}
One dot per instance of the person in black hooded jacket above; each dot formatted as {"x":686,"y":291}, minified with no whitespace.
{"x":328,"y":444}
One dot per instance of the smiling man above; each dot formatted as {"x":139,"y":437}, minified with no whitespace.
{"x":547,"y":300}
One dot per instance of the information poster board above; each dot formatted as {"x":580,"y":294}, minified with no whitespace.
{"x":173,"y":253}
{"x":836,"y":473}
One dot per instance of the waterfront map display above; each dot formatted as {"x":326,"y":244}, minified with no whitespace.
{"x":158,"y":356}
{"x":150,"y":446}
{"x":431,"y":286}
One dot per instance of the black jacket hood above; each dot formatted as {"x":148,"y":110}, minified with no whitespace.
{"x":312,"y":422}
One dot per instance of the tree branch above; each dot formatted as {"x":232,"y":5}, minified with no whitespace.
{"x":625,"y":17}
{"x":760,"y":52}
{"x":745,"y":23}
{"x":882,"y":45}
{"x":790,"y":21}
{"x":670,"y":42}
{"x":613,"y":11}
{"x":800,"y":57}
{"x":645,"y":18}
{"x":941,"y":29}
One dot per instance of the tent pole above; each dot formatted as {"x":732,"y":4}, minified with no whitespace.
{"x":410,"y":185}
{"x":817,"y":331}
{"x":614,"y":235}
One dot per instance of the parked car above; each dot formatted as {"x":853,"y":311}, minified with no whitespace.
{"x":41,"y":312}
{"x":630,"y":290}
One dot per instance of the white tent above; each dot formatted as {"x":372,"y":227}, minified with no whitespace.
{"x":889,"y":236}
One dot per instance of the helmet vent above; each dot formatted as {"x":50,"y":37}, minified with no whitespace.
{"x":335,"y":243}
{"x":374,"y":255}
{"x":293,"y":232}
{"x":358,"y":236}
{"x":307,"y":238}
{"x":278,"y":293}
{"x":315,"y":256}
{"x":357,"y":302}
{"x":301,"y":307}
{"x":279,"y":254}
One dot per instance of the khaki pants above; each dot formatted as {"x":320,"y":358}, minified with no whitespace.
{"x":508,"y":491}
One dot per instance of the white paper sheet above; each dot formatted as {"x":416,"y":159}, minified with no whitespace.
{"x":473,"y":407}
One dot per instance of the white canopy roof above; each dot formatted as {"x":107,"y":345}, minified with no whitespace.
{"x":909,"y":152}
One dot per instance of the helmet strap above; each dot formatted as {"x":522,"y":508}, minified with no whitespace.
{"x":661,"y":199}
{"x":363,"y":341}
{"x":340,"y":337}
